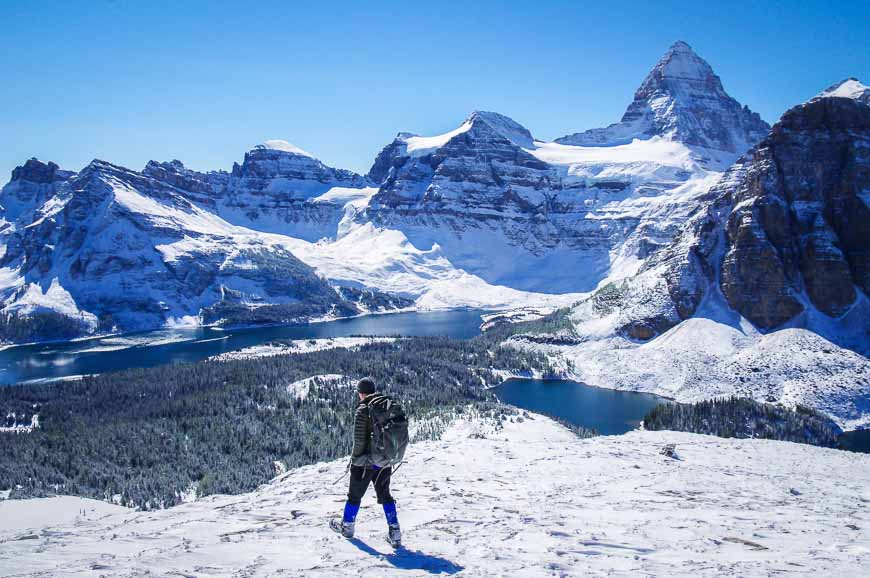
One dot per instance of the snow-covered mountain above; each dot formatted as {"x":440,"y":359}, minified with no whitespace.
{"x":764,"y":291}
{"x":849,"y":88}
{"x":554,"y":216}
{"x":113,"y":249}
{"x":278,"y":188}
{"x":683,"y":100}
{"x":526,"y":498}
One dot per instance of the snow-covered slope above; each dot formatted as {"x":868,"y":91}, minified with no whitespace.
{"x":849,"y":88}
{"x":526,"y":499}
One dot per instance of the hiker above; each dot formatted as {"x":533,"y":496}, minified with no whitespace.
{"x":380,"y":436}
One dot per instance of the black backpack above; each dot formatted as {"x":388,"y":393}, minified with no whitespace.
{"x":389,"y":431}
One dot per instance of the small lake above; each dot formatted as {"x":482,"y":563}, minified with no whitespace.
{"x":609,"y":411}
{"x":856,"y":441}
{"x":147,"y":349}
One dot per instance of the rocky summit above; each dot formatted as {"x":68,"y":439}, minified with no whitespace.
{"x":681,"y":99}
{"x":278,"y":188}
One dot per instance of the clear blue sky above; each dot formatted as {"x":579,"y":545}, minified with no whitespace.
{"x":202,"y":82}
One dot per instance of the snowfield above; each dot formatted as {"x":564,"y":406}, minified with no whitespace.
{"x":529,"y":499}
{"x":368,"y":256}
{"x":300,"y":346}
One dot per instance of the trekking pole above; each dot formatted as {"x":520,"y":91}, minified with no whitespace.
{"x":397,"y":467}
{"x":346,"y":470}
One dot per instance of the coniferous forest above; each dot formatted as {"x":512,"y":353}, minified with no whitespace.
{"x":145,"y":437}
{"x":735,"y":417}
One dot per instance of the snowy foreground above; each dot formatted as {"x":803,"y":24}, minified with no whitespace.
{"x":526,"y":500}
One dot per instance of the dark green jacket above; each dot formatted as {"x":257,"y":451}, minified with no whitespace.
{"x":362,"y":433}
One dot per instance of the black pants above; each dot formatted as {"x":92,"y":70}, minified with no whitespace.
{"x":361,"y":477}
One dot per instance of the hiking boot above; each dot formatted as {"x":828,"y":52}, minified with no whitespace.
{"x":342,"y":527}
{"x":394,"y":535}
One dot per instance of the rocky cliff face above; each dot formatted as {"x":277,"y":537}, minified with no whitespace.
{"x":31,"y":185}
{"x":786,"y":230}
{"x":681,"y":99}
{"x":278,"y":188}
{"x":479,"y":170}
{"x":800,"y":231}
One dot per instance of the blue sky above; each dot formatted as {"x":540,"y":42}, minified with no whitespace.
{"x":204,"y":81}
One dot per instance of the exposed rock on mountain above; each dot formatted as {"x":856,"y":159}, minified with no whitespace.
{"x":479,"y":169}
{"x":31,"y":185}
{"x":801,"y":223}
{"x":278,"y":188}
{"x":119,"y":250}
{"x":683,"y":100}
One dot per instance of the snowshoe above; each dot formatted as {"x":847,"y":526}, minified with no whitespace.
{"x":342,"y":527}
{"x":394,"y":536}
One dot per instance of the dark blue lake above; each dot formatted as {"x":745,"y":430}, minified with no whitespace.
{"x":56,"y":360}
{"x":856,"y":441}
{"x":609,"y":411}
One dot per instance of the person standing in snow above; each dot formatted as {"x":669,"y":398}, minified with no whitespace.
{"x":380,"y":436}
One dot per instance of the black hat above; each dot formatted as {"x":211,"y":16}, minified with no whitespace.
{"x":366,"y":385}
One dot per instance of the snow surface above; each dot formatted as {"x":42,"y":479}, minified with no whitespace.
{"x":370,"y":256}
{"x":284,"y":146}
{"x":300,"y":346}
{"x":420,"y":146}
{"x":849,"y":88}
{"x":703,"y":358}
{"x":55,"y":298}
{"x":653,"y":151}
{"x":300,"y":388}
{"x":526,"y":499}
{"x":26,"y":517}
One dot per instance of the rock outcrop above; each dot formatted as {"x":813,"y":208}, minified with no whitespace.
{"x":31,"y":185}
{"x":801,"y":223}
{"x":278,"y":188}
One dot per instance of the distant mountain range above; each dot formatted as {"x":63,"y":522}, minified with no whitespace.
{"x":485,"y":215}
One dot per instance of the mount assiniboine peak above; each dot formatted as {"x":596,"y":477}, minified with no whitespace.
{"x":682,"y":99}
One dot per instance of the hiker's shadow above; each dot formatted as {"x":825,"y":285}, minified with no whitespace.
{"x":411,"y":559}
